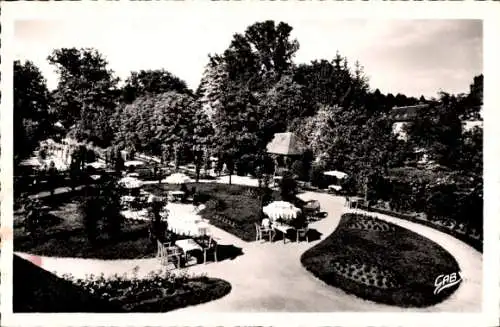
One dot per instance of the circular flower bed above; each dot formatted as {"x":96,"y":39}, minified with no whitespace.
{"x":382,"y":262}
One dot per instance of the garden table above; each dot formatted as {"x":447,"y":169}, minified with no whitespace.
{"x":136,"y":214}
{"x":128,"y":198}
{"x":283,"y":228}
{"x":176,"y":195}
{"x":188,"y":246}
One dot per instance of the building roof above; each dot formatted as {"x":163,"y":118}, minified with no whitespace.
{"x":407,"y":113}
{"x":285,"y":144}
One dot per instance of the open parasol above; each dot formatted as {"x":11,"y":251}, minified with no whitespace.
{"x":178,"y":178}
{"x":130,"y":182}
{"x":281,"y":209}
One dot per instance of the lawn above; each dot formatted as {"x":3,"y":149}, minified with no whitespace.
{"x":233,"y":208}
{"x":382,"y":262}
{"x":64,"y":235}
{"x":36,"y":290}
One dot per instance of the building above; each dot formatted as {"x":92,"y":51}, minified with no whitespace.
{"x":404,"y":115}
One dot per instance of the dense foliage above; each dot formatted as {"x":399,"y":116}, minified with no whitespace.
{"x":32,"y":116}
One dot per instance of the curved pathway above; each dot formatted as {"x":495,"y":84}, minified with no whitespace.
{"x":270,"y":277}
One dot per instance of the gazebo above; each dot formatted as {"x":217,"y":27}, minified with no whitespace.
{"x":285,"y":145}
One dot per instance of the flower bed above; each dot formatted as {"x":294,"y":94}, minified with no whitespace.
{"x":37,"y":290}
{"x":156,"y":293}
{"x":366,"y":222}
{"x":393,"y":266}
{"x":475,"y":243}
{"x":370,"y":275}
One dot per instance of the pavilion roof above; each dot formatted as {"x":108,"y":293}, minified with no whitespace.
{"x":285,"y":144}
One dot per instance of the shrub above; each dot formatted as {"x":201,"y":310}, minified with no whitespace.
{"x":288,"y":187}
{"x":299,"y":170}
{"x":316,"y":177}
{"x":90,"y":216}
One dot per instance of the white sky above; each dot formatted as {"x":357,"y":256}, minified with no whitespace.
{"x":413,"y":57}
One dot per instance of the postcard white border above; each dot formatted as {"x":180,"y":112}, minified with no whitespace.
{"x":487,"y":11}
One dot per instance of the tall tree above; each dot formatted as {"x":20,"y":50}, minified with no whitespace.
{"x":152,"y":82}
{"x":212,"y":85}
{"x":261,"y":55}
{"x":237,"y":127}
{"x":439,"y":129}
{"x":168,"y":121}
{"x":32,"y":119}
{"x":86,"y":92}
{"x":249,"y":86}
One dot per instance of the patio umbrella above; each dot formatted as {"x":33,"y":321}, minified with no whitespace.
{"x":97,"y":165}
{"x":134,"y":163}
{"x":178,"y":178}
{"x":281,"y":209}
{"x":130,"y":182}
{"x":335,"y":173}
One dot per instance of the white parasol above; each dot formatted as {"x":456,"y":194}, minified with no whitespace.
{"x":281,"y":209}
{"x":134,"y":163}
{"x":335,"y":173}
{"x":97,"y":165}
{"x":130,"y":182}
{"x":178,"y":178}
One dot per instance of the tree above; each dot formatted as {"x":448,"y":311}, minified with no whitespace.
{"x":285,"y":102}
{"x":90,"y":215}
{"x":52,"y":177}
{"x":471,"y":152}
{"x":474,"y":101}
{"x":152,"y":82}
{"x":246,"y":89}
{"x":32,"y":119}
{"x":439,"y":129}
{"x":119,"y":162}
{"x":288,"y":187}
{"x":213,"y":82}
{"x":109,"y":197}
{"x":86,"y":94}
{"x":169,"y":124}
{"x":237,"y":131}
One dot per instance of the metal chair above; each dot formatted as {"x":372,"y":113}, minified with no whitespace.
{"x":209,"y":245}
{"x":263,"y":231}
{"x":169,"y":254}
{"x":303,"y":232}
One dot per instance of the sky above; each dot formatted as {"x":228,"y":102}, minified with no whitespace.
{"x":412,"y":57}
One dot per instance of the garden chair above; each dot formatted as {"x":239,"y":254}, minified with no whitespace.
{"x":209,"y":245}
{"x":168,"y":253}
{"x":262,"y":231}
{"x":303,"y":232}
